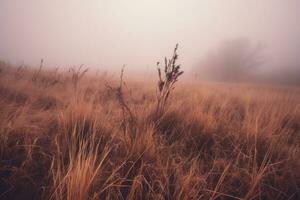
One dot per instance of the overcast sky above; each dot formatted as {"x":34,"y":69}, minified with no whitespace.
{"x":109,"y":33}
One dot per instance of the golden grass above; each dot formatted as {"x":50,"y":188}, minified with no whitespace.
{"x":213,"y":140}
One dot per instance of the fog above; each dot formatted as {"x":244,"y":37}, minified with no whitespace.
{"x":138,"y":33}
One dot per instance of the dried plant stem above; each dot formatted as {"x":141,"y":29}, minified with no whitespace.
{"x":128,"y":119}
{"x":166,"y":83}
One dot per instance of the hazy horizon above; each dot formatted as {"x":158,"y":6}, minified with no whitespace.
{"x":138,"y":33}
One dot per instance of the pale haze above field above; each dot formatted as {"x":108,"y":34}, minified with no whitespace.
{"x":138,"y":33}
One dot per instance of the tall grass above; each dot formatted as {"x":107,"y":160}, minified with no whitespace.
{"x":212,"y":141}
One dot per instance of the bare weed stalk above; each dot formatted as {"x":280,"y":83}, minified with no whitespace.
{"x":128,"y":119}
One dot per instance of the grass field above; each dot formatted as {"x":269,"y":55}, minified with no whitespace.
{"x":67,"y":136}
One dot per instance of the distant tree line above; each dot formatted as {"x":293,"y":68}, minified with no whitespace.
{"x":231,"y":60}
{"x":240,"y":59}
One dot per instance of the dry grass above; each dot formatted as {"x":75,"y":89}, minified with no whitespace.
{"x":213,"y":141}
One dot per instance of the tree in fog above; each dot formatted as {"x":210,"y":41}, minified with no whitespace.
{"x":231,"y":60}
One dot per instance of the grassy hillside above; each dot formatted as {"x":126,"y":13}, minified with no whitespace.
{"x":67,"y":136}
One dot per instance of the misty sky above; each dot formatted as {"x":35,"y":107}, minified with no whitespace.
{"x":109,"y":33}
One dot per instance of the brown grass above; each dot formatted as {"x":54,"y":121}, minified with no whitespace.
{"x":213,"y":141}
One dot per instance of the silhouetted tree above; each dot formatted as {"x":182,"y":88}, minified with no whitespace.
{"x":232,"y":60}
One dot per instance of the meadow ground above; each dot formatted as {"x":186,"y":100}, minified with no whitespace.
{"x":63,"y":136}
